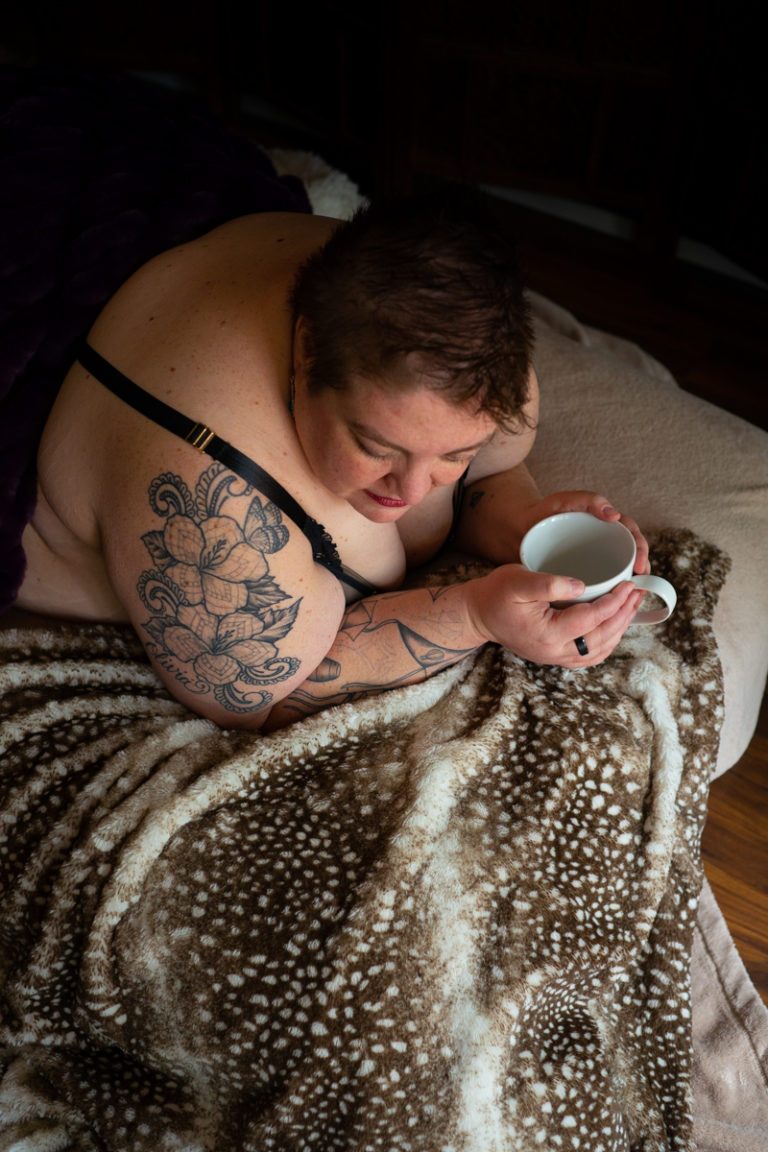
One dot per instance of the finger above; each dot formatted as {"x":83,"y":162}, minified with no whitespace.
{"x":593,"y":502}
{"x":604,"y":510}
{"x":608,"y":634}
{"x":602,"y":641}
{"x":642,"y":563}
{"x":579,"y":619}
{"x":545,"y":587}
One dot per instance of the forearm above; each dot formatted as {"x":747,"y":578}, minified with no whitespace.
{"x":404,"y":637}
{"x":384,"y":642}
{"x":496,"y":515}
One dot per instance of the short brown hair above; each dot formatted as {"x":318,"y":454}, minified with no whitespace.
{"x":429,"y":275}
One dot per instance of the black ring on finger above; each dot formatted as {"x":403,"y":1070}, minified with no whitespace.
{"x":581,"y":646}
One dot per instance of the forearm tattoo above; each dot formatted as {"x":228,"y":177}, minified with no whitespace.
{"x":216,"y":613}
{"x":384,"y":652}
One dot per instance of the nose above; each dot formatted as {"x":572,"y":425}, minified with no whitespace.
{"x":412,"y":482}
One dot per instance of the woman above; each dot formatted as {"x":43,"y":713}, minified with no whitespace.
{"x":373,"y":380}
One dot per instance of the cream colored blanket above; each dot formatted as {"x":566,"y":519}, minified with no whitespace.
{"x":459,"y":916}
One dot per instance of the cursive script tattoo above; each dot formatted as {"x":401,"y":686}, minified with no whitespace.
{"x":214,"y":621}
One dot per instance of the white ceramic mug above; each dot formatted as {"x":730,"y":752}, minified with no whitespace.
{"x":601,"y":553}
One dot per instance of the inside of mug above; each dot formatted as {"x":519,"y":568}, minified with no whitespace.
{"x":592,"y":551}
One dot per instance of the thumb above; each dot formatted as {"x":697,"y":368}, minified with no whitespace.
{"x":547,"y":587}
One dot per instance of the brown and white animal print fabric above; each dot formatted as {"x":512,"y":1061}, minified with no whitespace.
{"x":453,"y":918}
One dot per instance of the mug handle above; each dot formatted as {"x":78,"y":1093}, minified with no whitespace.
{"x":661,"y":588}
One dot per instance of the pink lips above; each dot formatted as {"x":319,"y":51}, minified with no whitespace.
{"x":385,"y":501}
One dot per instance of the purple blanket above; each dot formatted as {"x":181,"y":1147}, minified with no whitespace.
{"x":97,"y":175}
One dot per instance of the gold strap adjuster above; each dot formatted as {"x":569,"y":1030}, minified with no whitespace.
{"x":200,"y":437}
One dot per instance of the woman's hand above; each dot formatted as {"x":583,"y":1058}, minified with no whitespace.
{"x":513,"y":607}
{"x":598,"y":506}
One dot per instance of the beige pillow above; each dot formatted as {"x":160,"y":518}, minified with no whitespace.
{"x":614,"y":420}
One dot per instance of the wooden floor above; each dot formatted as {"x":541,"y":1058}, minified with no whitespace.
{"x":735,"y":847}
{"x":712,"y":333}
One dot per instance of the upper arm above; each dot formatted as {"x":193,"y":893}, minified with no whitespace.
{"x":220,"y":586}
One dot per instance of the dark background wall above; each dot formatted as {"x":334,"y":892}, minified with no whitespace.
{"x":654,"y":110}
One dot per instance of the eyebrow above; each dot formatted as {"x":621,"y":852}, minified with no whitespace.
{"x":371,"y":434}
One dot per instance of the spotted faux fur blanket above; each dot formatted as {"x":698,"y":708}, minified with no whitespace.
{"x":454,"y":917}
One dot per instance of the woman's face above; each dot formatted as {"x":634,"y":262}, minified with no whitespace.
{"x":383,"y":449}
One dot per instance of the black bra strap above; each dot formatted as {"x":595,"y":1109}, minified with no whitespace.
{"x":200,"y":436}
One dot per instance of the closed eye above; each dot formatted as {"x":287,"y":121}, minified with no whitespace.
{"x":376,"y":455}
{"x":463,"y":460}
{"x":361,"y":433}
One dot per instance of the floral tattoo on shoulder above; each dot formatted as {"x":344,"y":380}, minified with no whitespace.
{"x":216,"y":613}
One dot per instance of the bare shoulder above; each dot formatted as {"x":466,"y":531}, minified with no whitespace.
{"x":228,"y":272}
{"x":249,"y":245}
{"x":221,"y":588}
{"x":220,"y":585}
